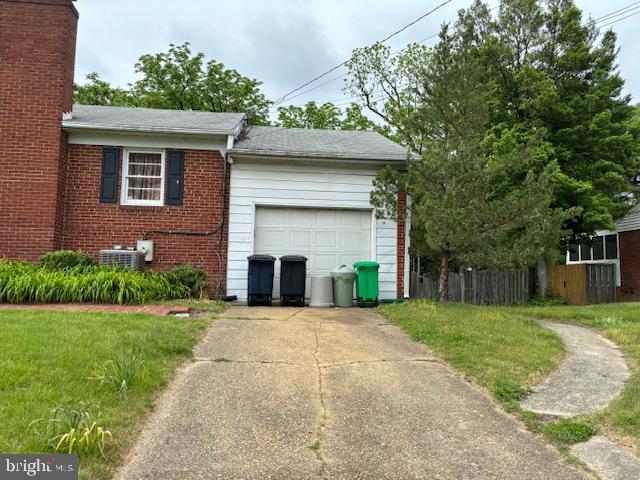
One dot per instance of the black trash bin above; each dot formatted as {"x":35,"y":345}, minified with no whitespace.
{"x":260,"y":284}
{"x":293,"y":276}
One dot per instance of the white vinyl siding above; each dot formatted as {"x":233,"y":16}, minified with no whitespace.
{"x":255,"y":185}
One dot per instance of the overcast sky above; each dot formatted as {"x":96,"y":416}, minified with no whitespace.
{"x":283,"y":43}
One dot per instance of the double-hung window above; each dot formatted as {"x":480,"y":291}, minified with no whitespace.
{"x":143,"y":177}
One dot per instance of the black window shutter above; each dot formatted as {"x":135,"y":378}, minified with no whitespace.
{"x":175,"y":178}
{"x":109,"y":178}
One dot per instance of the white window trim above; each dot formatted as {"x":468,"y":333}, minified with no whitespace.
{"x":616,"y":261}
{"x":125,"y":169}
{"x":599,"y":233}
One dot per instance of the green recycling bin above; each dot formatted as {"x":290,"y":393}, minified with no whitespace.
{"x":367,"y":283}
{"x":343,"y":278}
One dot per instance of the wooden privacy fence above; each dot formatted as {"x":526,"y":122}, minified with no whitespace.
{"x":478,"y":287}
{"x":583,"y":283}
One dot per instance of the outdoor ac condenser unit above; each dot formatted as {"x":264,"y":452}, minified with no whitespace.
{"x":123,"y":258}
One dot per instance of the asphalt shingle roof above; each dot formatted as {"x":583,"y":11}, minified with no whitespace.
{"x":301,"y":142}
{"x":154,"y":120}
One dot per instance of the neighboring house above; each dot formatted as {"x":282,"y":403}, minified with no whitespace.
{"x":205,"y":187}
{"x":620,"y":247}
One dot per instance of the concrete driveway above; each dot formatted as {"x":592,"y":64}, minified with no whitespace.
{"x":286,"y":393}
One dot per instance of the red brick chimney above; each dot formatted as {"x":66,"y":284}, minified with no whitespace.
{"x":37,"y":56}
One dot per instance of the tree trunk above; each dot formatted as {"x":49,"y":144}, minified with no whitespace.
{"x":543,"y":281}
{"x":443,"y":283}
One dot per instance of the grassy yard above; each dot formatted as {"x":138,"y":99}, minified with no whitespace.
{"x":505,"y":351}
{"x":47,"y":359}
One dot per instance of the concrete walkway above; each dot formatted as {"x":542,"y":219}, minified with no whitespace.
{"x":609,"y":460}
{"x":592,"y":375}
{"x":277,"y":393}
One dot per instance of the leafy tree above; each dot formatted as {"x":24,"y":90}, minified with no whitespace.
{"x":555,"y":73}
{"x":326,"y":116}
{"x":171,"y":79}
{"x":98,"y":92}
{"x":480,"y":195}
{"x":548,"y":77}
{"x":179,"y":79}
{"x":225,"y":90}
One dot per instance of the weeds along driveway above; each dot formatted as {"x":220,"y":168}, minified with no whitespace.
{"x":307,"y":393}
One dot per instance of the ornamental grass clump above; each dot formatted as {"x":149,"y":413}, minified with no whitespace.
{"x":24,"y":283}
{"x":71,"y":430}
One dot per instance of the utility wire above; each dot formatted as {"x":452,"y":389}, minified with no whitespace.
{"x":596,"y":22}
{"x":283,"y":98}
{"x":620,"y":19}
{"x":615,"y":13}
{"x":276,"y":104}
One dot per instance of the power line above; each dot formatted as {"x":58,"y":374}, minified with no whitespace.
{"x":596,"y":22}
{"x":615,"y":13}
{"x":345,"y":74}
{"x":333,"y":69}
{"x":619,"y":19}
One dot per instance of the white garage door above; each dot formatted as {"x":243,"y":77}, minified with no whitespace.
{"x":327,"y":237}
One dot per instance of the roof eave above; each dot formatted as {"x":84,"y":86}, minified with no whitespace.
{"x":135,"y":129}
{"x":243,"y":152}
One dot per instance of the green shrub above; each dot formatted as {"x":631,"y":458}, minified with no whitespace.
{"x":23,"y":283}
{"x":569,"y":432}
{"x":193,"y":278}
{"x":63,"y":259}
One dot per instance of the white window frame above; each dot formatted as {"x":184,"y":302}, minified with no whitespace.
{"x":616,"y":261}
{"x":125,"y":170}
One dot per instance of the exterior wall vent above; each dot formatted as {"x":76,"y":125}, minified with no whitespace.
{"x":131,"y":259}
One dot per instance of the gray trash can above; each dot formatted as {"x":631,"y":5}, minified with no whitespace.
{"x":343,"y":280}
{"x":321,"y":291}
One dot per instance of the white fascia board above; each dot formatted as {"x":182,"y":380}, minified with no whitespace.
{"x":138,"y":140}
{"x":362,"y":162}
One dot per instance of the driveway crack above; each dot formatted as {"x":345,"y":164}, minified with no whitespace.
{"x":320,"y":432}
{"x":264,"y":362}
{"x":358,"y":362}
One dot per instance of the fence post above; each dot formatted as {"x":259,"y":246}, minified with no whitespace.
{"x":474,"y":286}
{"x":462,"y":285}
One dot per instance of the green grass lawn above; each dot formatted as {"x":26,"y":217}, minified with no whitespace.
{"x":504,"y":350}
{"x":46,"y":360}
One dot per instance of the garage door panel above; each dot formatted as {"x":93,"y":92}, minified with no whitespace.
{"x":354,"y":219}
{"x":355,"y":240}
{"x":270,"y":216}
{"x":326,"y":218}
{"x":299,"y":240}
{"x":350,"y":259}
{"x":324,"y":262}
{"x":327,"y":237}
{"x":271,"y":239}
{"x":300,"y":216}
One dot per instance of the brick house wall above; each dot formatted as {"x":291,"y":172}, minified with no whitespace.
{"x":91,"y":226}
{"x":629,"y":265}
{"x":37,"y":55}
